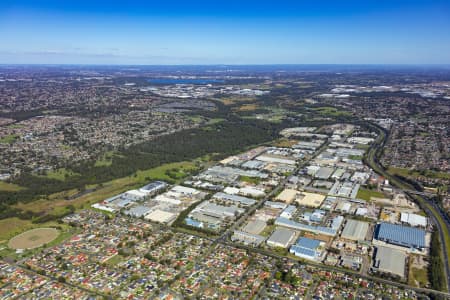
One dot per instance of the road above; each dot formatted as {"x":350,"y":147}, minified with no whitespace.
{"x":355,"y":274}
{"x":435,"y":213}
{"x":223,"y":239}
{"x":274,"y":192}
{"x":430,"y":208}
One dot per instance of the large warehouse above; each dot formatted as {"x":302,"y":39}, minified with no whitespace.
{"x":281,"y":238}
{"x":307,"y":248}
{"x":355,"y":230}
{"x":400,"y":235}
{"x":388,"y":260}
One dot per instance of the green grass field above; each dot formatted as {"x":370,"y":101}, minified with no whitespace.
{"x":60,"y":174}
{"x":248,"y":179}
{"x":9,"y":187}
{"x":115,"y":260}
{"x":178,"y":170}
{"x":366,"y":194}
{"x":9,"y":139}
{"x":331,"y":111}
{"x":57,"y":205}
{"x":414,"y":174}
{"x":418,"y":277}
{"x":106,"y":159}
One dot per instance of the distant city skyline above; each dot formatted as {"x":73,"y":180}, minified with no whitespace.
{"x":206,"y":32}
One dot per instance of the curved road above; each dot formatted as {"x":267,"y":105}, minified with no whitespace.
{"x":438,"y":217}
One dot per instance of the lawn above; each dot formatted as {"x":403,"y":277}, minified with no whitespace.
{"x":8,"y":139}
{"x":366,"y":194}
{"x":115,"y":260}
{"x":355,"y":157}
{"x":106,"y":159}
{"x":362,"y":146}
{"x":167,"y":172}
{"x":60,"y":174}
{"x":196,"y":119}
{"x":9,"y":187}
{"x":13,"y":126}
{"x":331,"y":111}
{"x":267,"y":230}
{"x":414,"y":174}
{"x":13,"y":226}
{"x":215,"y":121}
{"x":248,"y":107}
{"x":285,"y":143}
{"x":57,"y":205}
{"x":235,"y":99}
{"x":418,"y":277}
{"x":33,"y":238}
{"x":254,"y":180}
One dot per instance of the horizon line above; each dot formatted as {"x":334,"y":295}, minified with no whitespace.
{"x":232,"y":64}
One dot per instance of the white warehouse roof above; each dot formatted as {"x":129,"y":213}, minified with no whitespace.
{"x":413,"y":219}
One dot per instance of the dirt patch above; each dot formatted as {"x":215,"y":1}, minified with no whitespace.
{"x":33,"y":238}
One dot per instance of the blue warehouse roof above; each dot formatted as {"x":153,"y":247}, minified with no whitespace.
{"x":308,"y":243}
{"x":400,"y":235}
{"x":299,"y":251}
{"x":306,"y":248}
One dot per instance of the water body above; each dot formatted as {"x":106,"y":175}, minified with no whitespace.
{"x":167,"y":81}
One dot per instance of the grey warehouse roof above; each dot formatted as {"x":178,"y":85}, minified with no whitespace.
{"x":390,"y":260}
{"x":355,"y":230}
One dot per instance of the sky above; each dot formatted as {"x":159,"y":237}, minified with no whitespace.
{"x":225,"y":32}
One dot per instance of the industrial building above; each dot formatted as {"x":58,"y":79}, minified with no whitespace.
{"x":413,"y":219}
{"x":276,"y":159}
{"x":281,"y":238}
{"x":229,"y":174}
{"x":138,"y":211}
{"x":234,"y":198}
{"x":247,"y":238}
{"x":324,"y":173}
{"x":330,"y":231}
{"x":254,"y":164}
{"x":153,"y":187}
{"x":161,"y":216}
{"x":307,"y":248}
{"x":314,"y":217}
{"x":255,"y":226}
{"x":186,"y":191}
{"x":345,"y":189}
{"x":355,"y":230}
{"x":400,"y":235}
{"x":312,"y":146}
{"x":388,"y":260}
{"x":275,"y":205}
{"x":288,"y":212}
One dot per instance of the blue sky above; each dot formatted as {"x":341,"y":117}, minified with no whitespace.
{"x":225,"y":32}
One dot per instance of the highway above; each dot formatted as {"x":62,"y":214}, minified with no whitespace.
{"x":223,"y":239}
{"x":433,"y":211}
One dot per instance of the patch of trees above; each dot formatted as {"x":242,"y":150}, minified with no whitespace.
{"x":180,"y":221}
{"x":287,"y":277}
{"x":410,"y":181}
{"x":435,"y":271}
{"x":225,"y":138}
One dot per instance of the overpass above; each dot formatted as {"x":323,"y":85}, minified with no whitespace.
{"x":437,"y":216}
